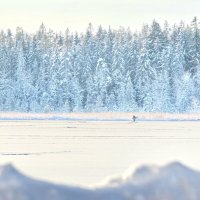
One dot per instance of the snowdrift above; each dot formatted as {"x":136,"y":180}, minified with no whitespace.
{"x":172,"y":182}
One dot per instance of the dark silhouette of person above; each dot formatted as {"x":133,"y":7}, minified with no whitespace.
{"x":134,"y":118}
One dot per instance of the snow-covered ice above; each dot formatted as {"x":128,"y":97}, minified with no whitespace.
{"x":85,"y":152}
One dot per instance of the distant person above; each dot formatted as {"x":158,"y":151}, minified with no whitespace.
{"x":134,"y":118}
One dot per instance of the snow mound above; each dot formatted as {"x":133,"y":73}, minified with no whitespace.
{"x":172,"y":182}
{"x":9,"y":173}
{"x":7,"y":170}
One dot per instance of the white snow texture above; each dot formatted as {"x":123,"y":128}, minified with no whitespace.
{"x":172,"y":182}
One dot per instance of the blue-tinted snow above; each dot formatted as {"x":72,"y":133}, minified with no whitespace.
{"x":172,"y":182}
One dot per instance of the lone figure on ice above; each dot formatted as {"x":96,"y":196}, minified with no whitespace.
{"x":134,"y":118}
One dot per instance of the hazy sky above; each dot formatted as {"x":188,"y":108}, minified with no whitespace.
{"x":76,"y":14}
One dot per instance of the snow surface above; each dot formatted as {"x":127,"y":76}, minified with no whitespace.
{"x":85,"y":152}
{"x":172,"y":182}
{"x":100,"y":116}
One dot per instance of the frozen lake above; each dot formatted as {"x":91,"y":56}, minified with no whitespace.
{"x":84,"y":153}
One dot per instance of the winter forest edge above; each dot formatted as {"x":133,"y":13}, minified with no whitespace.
{"x":154,"y":70}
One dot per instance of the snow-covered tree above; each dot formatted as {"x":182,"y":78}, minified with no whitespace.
{"x":154,"y":70}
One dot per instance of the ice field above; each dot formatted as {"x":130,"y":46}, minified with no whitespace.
{"x":86,"y":152}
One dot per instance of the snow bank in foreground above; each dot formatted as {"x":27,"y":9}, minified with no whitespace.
{"x":172,"y":182}
{"x":109,"y":116}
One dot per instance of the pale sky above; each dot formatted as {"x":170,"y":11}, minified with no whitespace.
{"x":76,"y":14}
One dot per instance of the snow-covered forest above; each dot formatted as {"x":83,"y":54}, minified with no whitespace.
{"x":156,"y":69}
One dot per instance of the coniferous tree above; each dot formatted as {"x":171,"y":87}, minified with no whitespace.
{"x":155,"y":70}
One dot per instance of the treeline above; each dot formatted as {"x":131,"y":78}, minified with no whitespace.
{"x":154,"y":70}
